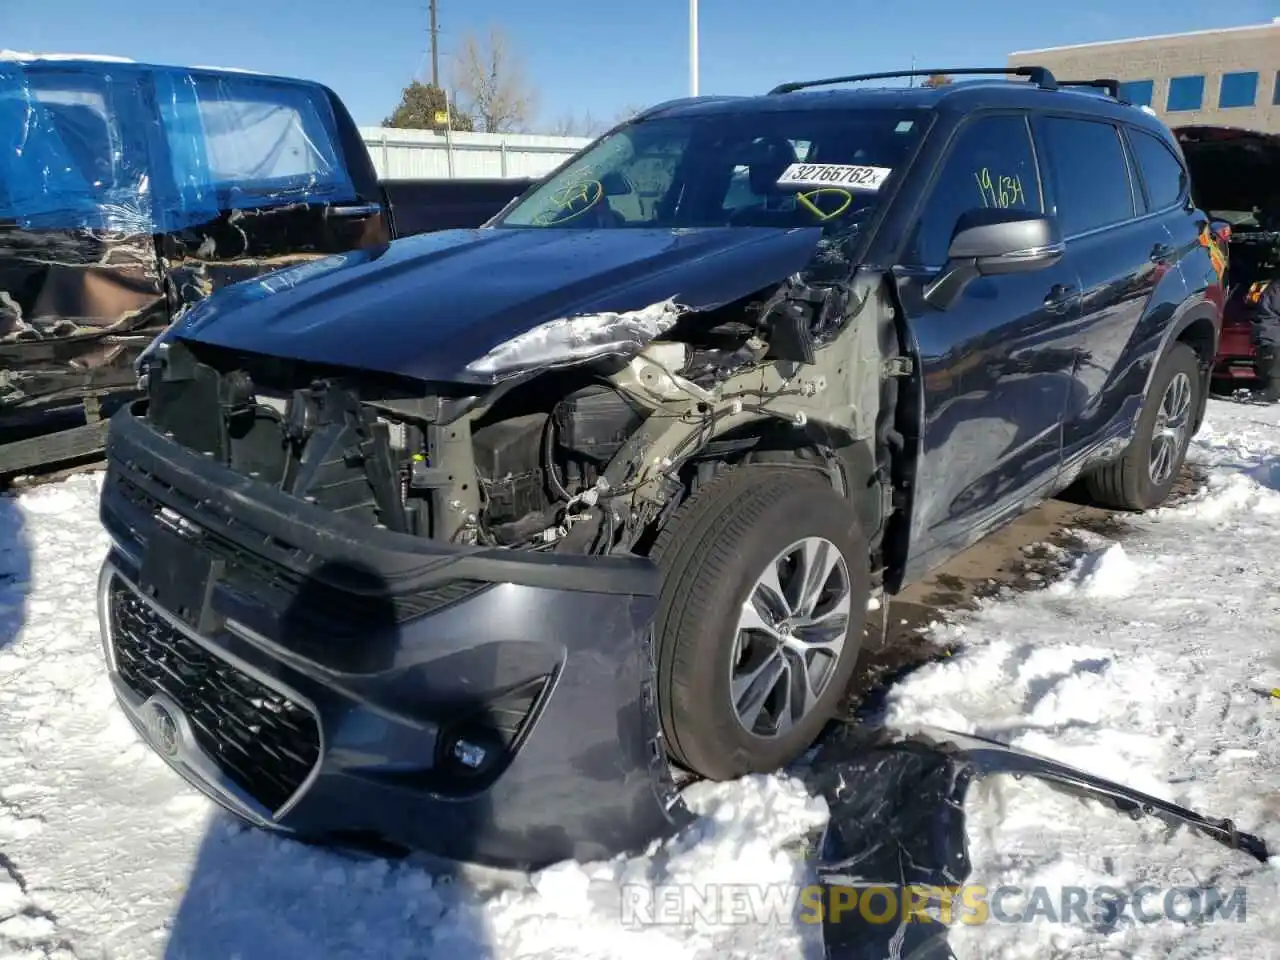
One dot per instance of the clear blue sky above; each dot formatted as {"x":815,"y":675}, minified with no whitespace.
{"x":593,"y":56}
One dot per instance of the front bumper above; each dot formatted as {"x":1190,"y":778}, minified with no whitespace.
{"x":365,"y":688}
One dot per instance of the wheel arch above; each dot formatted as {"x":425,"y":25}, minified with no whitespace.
{"x":1201,"y":334}
{"x":848,"y":461}
{"x":1197,"y":324}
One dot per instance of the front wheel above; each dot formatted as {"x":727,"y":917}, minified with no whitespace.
{"x":1144,"y":476}
{"x":760,"y":618}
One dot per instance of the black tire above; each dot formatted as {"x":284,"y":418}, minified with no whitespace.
{"x":711,"y":552}
{"x":1126,"y":483}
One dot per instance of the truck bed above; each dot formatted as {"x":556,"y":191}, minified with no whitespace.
{"x":420,"y":206}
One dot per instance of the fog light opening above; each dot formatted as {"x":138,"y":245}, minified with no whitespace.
{"x":472,"y":751}
{"x":470,"y":755}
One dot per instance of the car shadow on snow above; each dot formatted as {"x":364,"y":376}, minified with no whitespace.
{"x":15,"y":569}
{"x":255,"y":895}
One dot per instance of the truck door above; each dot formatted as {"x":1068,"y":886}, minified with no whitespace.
{"x":78,"y":278}
{"x":266,"y":173}
{"x":996,"y":365}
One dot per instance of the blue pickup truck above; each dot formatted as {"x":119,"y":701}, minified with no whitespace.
{"x":130,"y":191}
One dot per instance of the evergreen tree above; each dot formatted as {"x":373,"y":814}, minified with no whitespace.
{"x":419,"y":105}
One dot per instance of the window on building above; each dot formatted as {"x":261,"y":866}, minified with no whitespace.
{"x":1161,"y":170}
{"x":1090,"y":174}
{"x":1238,"y":90}
{"x":1275,"y":97}
{"x":1185,"y":93}
{"x":1138,"y":92}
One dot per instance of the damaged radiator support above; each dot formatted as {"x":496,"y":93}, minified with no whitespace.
{"x":447,"y":469}
{"x":323,"y":445}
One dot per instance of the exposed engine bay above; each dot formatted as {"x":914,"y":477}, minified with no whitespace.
{"x":582,"y":456}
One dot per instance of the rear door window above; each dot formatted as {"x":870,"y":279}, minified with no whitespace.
{"x":1162,"y":172}
{"x":248,"y":141}
{"x":991,"y":163}
{"x":1089,"y":174}
{"x":261,"y":133}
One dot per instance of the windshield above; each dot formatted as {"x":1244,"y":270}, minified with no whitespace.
{"x":758,"y":169}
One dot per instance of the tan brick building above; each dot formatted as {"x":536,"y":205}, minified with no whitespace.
{"x":1228,"y":77}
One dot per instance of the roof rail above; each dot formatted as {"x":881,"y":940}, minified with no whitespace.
{"x":1112,"y":87}
{"x":675,"y":101}
{"x":1040,"y":76}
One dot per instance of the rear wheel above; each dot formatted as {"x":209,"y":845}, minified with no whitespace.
{"x":760,"y":619}
{"x":1144,"y":476}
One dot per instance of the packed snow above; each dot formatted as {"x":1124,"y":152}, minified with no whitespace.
{"x":1149,"y":662}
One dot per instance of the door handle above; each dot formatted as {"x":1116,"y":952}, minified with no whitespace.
{"x":355,"y":210}
{"x":1161,"y":252}
{"x":1060,"y":296}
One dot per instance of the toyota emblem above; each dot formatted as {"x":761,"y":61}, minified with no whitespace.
{"x":163,"y":729}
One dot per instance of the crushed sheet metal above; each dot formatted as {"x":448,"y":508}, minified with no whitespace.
{"x":579,"y":338}
{"x":897,"y":822}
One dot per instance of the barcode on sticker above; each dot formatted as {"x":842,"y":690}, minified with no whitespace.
{"x":844,"y":175}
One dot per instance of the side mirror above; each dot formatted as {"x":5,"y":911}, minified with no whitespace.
{"x":992,"y":243}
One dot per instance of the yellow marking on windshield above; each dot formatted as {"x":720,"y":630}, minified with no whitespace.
{"x":584,"y":194}
{"x":806,"y":199}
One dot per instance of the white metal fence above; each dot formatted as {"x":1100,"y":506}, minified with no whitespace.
{"x":421,"y":154}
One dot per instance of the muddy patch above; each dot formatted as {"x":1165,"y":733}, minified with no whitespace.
{"x":1029,"y":554}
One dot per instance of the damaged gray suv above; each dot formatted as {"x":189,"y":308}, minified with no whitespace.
{"x":457,"y":542}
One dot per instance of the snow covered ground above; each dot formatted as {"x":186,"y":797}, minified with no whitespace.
{"x":1140,"y":665}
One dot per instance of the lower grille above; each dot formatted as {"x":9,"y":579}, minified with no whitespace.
{"x":260,"y":739}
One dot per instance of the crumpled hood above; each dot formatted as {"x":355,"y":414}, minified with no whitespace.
{"x":424,"y":307}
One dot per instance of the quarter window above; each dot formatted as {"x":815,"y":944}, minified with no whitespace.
{"x":991,"y":164}
{"x":1162,"y":172}
{"x":1090,"y":174}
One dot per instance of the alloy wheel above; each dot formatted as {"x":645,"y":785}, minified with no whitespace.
{"x":790,"y":634}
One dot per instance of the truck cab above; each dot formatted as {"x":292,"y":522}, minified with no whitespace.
{"x":130,"y":191}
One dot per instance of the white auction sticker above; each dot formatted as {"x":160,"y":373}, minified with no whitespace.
{"x":844,"y":175}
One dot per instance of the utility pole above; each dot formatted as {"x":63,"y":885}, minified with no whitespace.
{"x":435,"y":47}
{"x":693,"y":48}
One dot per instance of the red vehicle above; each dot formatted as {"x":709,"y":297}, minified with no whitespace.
{"x":1236,"y":179}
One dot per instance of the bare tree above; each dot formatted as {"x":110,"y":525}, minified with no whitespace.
{"x":627,"y":112}
{"x":571,"y":125}
{"x":491,"y":82}
{"x":588,"y":125}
